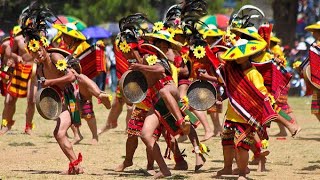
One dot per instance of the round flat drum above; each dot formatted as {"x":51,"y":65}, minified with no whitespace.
{"x":202,"y":95}
{"x":134,"y":86}
{"x":49,"y":103}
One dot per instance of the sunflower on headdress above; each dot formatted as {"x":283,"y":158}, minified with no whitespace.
{"x":44,"y":42}
{"x":124,"y":47}
{"x":61,"y":65}
{"x":172,"y":32}
{"x":199,"y":52}
{"x":158,"y":26}
{"x":151,"y":60}
{"x":33,"y":45}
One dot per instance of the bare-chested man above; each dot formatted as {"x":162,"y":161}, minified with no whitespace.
{"x":22,"y":84}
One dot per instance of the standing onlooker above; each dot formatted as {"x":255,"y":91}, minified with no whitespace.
{"x":111,"y":57}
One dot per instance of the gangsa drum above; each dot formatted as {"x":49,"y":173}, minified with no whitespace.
{"x":49,"y":103}
{"x":93,"y":61}
{"x":133,"y":86}
{"x":202,"y":95}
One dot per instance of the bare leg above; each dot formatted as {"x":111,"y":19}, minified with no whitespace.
{"x":77,"y":136}
{"x":8,"y":112}
{"x":90,"y":86}
{"x":282,"y":129}
{"x":131,"y":146}
{"x":150,"y":165}
{"x":150,"y":124}
{"x":228,"y":155}
{"x":217,"y":127}
{"x":63,"y":123}
{"x":92,"y":123}
{"x":30,"y":106}
{"x":200,"y":160}
{"x":242,"y":158}
{"x":113,"y":116}
{"x":292,"y":127}
{"x":170,"y":95}
{"x":203,"y":119}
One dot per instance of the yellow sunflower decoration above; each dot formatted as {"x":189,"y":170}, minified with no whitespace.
{"x":124,"y":47}
{"x":44,"y":42}
{"x":4,"y":123}
{"x":61,"y":65}
{"x":185,"y":100}
{"x":264,"y":144}
{"x":34,"y":45}
{"x":151,"y":60}
{"x":158,"y":26}
{"x":199,"y":52}
{"x":172,"y":32}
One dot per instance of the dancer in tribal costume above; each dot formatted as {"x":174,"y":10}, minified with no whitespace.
{"x":75,"y":42}
{"x":213,"y":37}
{"x":21,"y":84}
{"x":314,"y":57}
{"x":118,"y":101}
{"x":54,"y":73}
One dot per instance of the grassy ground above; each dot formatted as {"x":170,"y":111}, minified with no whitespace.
{"x":39,"y":156}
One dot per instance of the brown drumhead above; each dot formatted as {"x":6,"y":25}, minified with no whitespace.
{"x":48,"y":103}
{"x":202,"y":95}
{"x":134,"y":86}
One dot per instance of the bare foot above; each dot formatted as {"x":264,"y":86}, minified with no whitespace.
{"x":217,"y":132}
{"x":224,"y":171}
{"x":281,"y":134}
{"x":200,"y":160}
{"x":236,"y":171}
{"x":182,"y":165}
{"x":6,"y":126}
{"x":242,"y":178}
{"x":160,"y":175}
{"x":296,"y":131}
{"x":28,"y":131}
{"x":122,"y":166}
{"x":262,"y":164}
{"x":74,"y":171}
{"x":151,"y":172}
{"x":207,"y":136}
{"x":94,"y":141}
{"x":105,"y":99}
{"x":77,"y":140}
{"x":107,"y":128}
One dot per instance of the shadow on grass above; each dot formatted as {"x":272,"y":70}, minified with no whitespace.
{"x":311,"y":168}
{"x":31,"y":171}
{"x":308,"y":139}
{"x":233,"y":177}
{"x":14,"y":144}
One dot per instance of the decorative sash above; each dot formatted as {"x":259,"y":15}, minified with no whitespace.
{"x":247,"y":100}
{"x":276,"y":78}
{"x":71,"y":102}
{"x":314,"y":57}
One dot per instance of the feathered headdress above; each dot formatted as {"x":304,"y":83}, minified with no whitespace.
{"x":173,"y":16}
{"x":191,"y":12}
{"x":131,"y":27}
{"x":34,"y":20}
{"x":196,"y":8}
{"x":247,"y":16}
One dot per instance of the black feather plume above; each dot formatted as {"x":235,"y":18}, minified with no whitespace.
{"x":34,"y":20}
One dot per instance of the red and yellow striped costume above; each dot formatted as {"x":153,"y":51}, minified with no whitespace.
{"x":18,"y":85}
